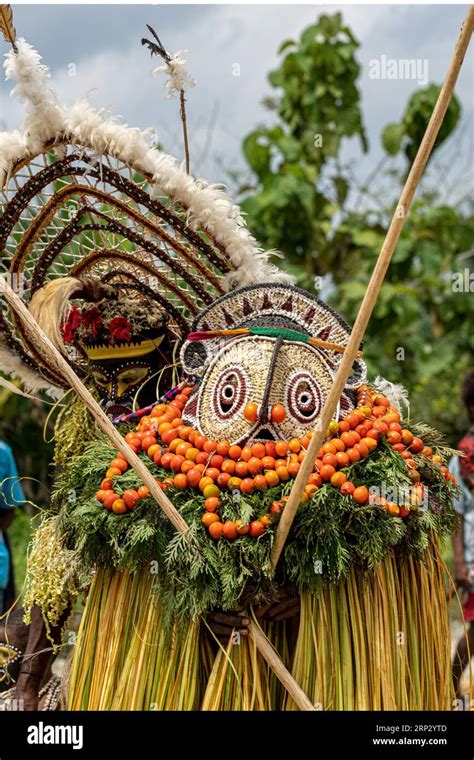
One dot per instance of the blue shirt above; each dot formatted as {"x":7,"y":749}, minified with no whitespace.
{"x":464,"y":505}
{"x":11,"y":494}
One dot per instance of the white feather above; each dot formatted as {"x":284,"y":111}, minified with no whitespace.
{"x":12,"y":145}
{"x":45,"y":117}
{"x":178,"y":77}
{"x":14,"y":388}
{"x":396,"y":393}
{"x":208,"y":206}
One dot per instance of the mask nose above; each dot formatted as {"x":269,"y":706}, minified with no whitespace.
{"x":263,"y":414}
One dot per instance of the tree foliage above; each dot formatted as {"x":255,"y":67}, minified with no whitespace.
{"x":303,"y":202}
{"x":409,"y":132}
{"x":317,"y":107}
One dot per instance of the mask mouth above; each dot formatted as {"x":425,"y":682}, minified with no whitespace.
{"x":116,"y":410}
{"x":265,"y":433}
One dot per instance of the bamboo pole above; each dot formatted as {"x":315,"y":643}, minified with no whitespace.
{"x":375,"y":284}
{"x":285,"y":677}
{"x":182,"y":111}
{"x":391,"y":239}
{"x":58,"y":362}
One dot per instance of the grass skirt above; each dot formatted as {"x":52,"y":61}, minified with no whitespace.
{"x":378,"y":644}
{"x":375,"y":643}
{"x":124,"y":660}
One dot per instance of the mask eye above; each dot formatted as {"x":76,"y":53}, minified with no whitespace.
{"x":303,"y":397}
{"x":229,"y":394}
{"x":131,"y":376}
{"x":100,"y":380}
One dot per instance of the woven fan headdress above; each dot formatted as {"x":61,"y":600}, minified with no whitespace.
{"x":87,"y":202}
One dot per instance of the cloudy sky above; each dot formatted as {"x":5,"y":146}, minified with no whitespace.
{"x":112,"y":68}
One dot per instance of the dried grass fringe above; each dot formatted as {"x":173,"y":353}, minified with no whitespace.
{"x":378,"y":644}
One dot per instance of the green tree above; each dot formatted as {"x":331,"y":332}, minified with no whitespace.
{"x":317,"y":106}
{"x":409,"y":132}
{"x":302,"y":203}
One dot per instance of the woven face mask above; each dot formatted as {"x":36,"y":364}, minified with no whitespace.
{"x":265,"y":345}
{"x":119,"y":380}
{"x":125,"y":343}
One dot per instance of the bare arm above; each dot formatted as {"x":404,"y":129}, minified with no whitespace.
{"x":37,"y":658}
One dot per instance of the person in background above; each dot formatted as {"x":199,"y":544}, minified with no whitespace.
{"x":463,"y":539}
{"x":11,"y":495}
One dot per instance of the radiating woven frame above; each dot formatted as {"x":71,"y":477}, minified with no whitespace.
{"x":193,"y":216}
{"x":189,"y":264}
{"x":186,"y":265}
{"x":267,"y":303}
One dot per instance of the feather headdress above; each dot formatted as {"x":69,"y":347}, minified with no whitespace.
{"x":84,"y":196}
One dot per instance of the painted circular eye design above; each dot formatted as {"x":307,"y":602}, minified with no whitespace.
{"x":230,"y":393}
{"x":303,"y":397}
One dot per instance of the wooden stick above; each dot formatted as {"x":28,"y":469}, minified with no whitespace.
{"x":184,"y":122}
{"x":374,"y":286}
{"x":293,"y":689}
{"x":58,"y":362}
